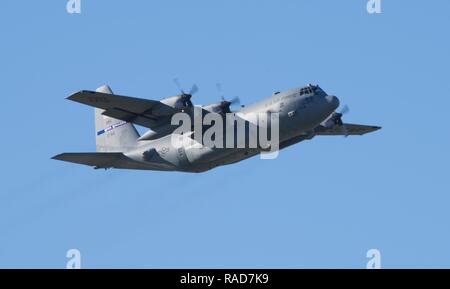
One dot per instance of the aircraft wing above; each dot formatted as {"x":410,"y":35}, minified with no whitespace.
{"x":350,"y":129}
{"x":145,"y":112}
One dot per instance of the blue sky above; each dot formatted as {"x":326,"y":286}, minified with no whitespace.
{"x":322,"y":204}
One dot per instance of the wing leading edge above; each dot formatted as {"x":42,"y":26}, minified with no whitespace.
{"x":144,"y":112}
{"x":350,"y":129}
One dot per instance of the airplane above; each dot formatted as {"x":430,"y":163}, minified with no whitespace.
{"x":303,"y":113}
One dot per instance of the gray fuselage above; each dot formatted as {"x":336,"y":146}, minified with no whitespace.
{"x":300,"y":110}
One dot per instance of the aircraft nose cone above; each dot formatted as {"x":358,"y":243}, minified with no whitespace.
{"x":333,"y":101}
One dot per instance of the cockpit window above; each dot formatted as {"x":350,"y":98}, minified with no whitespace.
{"x":309,"y":89}
{"x":306,"y":90}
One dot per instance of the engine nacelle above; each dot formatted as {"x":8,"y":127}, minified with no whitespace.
{"x":214,"y":107}
{"x":178,"y":101}
{"x":219,"y":107}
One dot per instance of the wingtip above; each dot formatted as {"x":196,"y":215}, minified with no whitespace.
{"x":58,"y":157}
{"x":72,"y":96}
{"x":76,"y":96}
{"x":55,"y":157}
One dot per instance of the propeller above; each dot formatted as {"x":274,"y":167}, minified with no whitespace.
{"x":338,"y":119}
{"x":226,"y":104}
{"x":345,"y":110}
{"x":186,"y":97}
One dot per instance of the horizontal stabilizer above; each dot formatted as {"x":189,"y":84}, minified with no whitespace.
{"x":97,"y":160}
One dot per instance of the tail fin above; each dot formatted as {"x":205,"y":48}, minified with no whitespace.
{"x":113,"y":135}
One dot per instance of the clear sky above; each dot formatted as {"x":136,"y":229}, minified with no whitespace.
{"x":323,"y":203}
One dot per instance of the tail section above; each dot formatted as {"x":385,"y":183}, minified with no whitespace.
{"x":113,"y":135}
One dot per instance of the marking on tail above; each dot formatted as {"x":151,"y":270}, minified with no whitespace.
{"x":110,"y":128}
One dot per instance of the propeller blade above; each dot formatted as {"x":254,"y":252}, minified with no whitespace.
{"x":194,"y":89}
{"x":235,"y":100}
{"x":219,"y":90}
{"x":225,"y":104}
{"x":177,"y":83}
{"x":186,"y":97}
{"x":219,"y":87}
{"x":344,"y":130}
{"x":345,"y":109}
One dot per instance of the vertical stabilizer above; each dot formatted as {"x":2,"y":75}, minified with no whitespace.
{"x":113,"y":135}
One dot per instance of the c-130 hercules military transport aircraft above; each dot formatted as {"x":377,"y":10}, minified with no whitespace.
{"x":302,"y":114}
